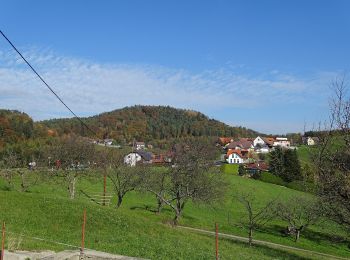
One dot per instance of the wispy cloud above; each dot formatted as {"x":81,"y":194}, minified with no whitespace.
{"x":90,"y":87}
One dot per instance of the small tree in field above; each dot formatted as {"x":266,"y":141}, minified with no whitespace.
{"x":73,"y":156}
{"x":12,"y":165}
{"x":156,"y":181}
{"x":255,"y":216}
{"x":300,"y":213}
{"x":7,"y":166}
{"x":124,"y":178}
{"x":189,"y":178}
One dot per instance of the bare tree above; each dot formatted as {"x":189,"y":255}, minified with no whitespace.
{"x":256,"y":216}
{"x":73,"y":156}
{"x":332,"y":160}
{"x":8,"y":164}
{"x":300,"y":212}
{"x":189,"y":178}
{"x":156,"y":181}
{"x":124,"y":178}
{"x":12,"y":165}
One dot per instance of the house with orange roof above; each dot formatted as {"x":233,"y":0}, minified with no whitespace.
{"x":224,"y":140}
{"x":234,"y":156}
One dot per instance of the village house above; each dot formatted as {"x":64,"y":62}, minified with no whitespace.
{"x":234,"y":157}
{"x":310,"y":140}
{"x":141,"y":156}
{"x":241,"y":144}
{"x":256,"y":168}
{"x":140,"y":145}
{"x":108,"y":141}
{"x":222,"y":141}
{"x":281,"y":142}
{"x":132,"y":159}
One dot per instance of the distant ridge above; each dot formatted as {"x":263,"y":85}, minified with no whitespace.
{"x":148,"y":123}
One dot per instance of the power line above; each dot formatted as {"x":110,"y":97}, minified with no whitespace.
{"x":47,"y":85}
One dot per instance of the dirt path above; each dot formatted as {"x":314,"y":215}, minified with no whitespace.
{"x":261,"y":242}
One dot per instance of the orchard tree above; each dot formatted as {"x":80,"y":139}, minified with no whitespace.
{"x":124,"y":177}
{"x":73,"y":156}
{"x":299,"y":212}
{"x":8,"y":164}
{"x":191,"y":177}
{"x":256,"y":216}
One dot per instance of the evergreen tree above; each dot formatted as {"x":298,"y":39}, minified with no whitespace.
{"x":277,"y":162}
{"x":285,"y":164}
{"x":292,"y":169}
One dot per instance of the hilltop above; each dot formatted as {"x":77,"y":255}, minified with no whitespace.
{"x":148,"y":123}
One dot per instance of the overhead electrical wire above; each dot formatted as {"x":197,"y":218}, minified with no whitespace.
{"x":47,"y":85}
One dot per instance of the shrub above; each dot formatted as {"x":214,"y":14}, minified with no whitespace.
{"x":270,"y":178}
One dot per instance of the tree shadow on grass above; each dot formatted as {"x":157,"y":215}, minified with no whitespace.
{"x":147,"y":207}
{"x":270,"y":252}
{"x":336,"y":241}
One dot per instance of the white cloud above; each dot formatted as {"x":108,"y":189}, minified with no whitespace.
{"x":90,"y":88}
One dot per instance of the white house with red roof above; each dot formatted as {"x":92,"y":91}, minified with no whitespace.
{"x":234,"y":156}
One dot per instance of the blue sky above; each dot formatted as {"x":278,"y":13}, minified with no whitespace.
{"x":266,"y":65}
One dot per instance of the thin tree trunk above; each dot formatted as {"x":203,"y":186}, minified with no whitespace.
{"x":160,"y":205}
{"x":120,"y":200}
{"x":23,"y":186}
{"x":72,"y":187}
{"x":250,"y":236}
{"x":297,"y":235}
{"x":177,"y":217}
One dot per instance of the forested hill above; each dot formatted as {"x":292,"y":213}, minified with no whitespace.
{"x":148,"y":123}
{"x":14,"y":126}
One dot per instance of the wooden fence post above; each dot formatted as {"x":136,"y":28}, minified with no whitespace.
{"x":216,"y":241}
{"x":3,"y":242}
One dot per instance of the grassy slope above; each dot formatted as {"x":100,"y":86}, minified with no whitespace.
{"x":304,"y":152}
{"x":230,"y":168}
{"x":133,"y":230}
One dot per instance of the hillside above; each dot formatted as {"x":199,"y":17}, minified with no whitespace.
{"x":14,"y":126}
{"x":45,"y":212}
{"x":148,"y":123}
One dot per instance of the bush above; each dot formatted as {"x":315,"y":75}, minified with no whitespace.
{"x":230,"y":168}
{"x":270,"y":178}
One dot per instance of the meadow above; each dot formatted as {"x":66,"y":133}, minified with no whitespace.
{"x":45,"y":211}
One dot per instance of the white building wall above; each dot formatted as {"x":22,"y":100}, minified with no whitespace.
{"x":310,"y":141}
{"x":234,"y":158}
{"x":132,"y":158}
{"x":258,"y":140}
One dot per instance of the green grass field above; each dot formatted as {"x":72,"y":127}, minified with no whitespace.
{"x":134,"y":230}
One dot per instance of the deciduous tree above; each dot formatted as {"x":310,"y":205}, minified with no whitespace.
{"x":256,"y":216}
{"x":332,"y":160}
{"x":190,"y":177}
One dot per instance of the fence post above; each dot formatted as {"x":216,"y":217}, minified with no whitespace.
{"x":3,"y":242}
{"x":216,"y":241}
{"x":81,"y":257}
